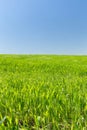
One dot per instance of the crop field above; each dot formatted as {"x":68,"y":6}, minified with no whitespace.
{"x":43,"y":92}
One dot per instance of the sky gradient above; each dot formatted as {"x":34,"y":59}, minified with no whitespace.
{"x":43,"y":27}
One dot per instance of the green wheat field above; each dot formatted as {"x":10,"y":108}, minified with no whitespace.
{"x":43,"y":92}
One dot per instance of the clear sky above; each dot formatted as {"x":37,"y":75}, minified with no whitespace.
{"x":43,"y":26}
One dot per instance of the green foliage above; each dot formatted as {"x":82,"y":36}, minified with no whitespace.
{"x":43,"y":92}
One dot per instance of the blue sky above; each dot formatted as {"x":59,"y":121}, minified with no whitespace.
{"x":43,"y":26}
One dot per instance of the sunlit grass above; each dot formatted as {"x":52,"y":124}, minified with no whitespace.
{"x":43,"y":92}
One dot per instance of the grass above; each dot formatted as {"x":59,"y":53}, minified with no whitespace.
{"x":43,"y":92}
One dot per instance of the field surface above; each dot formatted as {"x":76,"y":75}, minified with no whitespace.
{"x":43,"y":92}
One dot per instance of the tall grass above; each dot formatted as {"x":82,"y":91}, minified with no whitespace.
{"x":43,"y":92}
